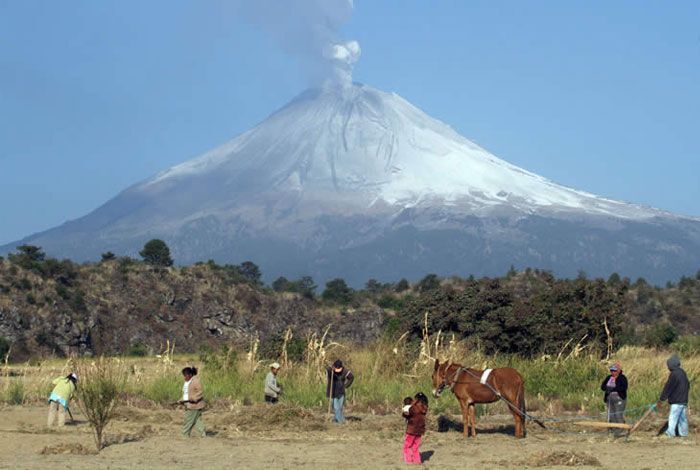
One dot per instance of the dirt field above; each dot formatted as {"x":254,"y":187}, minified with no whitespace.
{"x":248,"y":438}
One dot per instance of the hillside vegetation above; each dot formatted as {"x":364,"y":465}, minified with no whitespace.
{"x":124,"y":306}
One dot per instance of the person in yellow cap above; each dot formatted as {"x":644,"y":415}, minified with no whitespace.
{"x":272,"y":389}
{"x":59,"y":400}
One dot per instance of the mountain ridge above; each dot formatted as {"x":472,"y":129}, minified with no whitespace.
{"x":355,"y":182}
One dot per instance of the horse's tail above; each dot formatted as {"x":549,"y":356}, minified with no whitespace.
{"x":521,"y":405}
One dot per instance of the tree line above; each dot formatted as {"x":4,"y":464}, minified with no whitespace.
{"x":527,"y":312}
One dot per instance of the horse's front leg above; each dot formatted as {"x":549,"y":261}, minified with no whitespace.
{"x":465,"y":416}
{"x":472,"y":416}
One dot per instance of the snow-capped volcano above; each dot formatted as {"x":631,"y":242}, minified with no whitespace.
{"x":377,"y":147}
{"x":354,"y":182}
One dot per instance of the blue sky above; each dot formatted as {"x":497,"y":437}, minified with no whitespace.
{"x":96,"y":96}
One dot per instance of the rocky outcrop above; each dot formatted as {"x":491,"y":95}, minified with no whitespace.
{"x":112,"y":307}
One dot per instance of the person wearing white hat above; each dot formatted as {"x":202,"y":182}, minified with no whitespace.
{"x":59,"y":400}
{"x":272,"y":389}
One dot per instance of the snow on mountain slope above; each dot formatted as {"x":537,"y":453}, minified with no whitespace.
{"x":374,"y":146}
{"x":356,"y":183}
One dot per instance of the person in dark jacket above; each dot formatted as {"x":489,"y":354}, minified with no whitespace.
{"x":415,"y":428}
{"x":339,"y":379}
{"x":615,"y":388}
{"x":676,"y":392}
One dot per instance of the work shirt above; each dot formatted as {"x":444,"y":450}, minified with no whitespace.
{"x":271,"y":387}
{"x":62,"y":391}
{"x":676,"y":388}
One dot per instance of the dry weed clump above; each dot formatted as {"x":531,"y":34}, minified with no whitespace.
{"x":564,"y":458}
{"x":123,"y":438}
{"x":263,"y":417}
{"x":67,"y":448}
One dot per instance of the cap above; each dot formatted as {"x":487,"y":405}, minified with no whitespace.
{"x":338,"y":364}
{"x":614,"y":367}
{"x":275,"y":365}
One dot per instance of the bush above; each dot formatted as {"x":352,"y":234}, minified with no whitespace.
{"x":272,"y":347}
{"x":250,"y":272}
{"x":304,"y":286}
{"x":687,"y":345}
{"x":29,"y":257}
{"x":428,"y":283}
{"x":101,"y":382}
{"x":4,"y":347}
{"x":108,"y":256}
{"x":156,"y":253}
{"x":224,"y":360}
{"x":16,"y":393}
{"x":337,"y":291}
{"x":164,"y":389}
{"x":402,"y":285}
{"x":137,"y":350}
{"x":660,"y":335}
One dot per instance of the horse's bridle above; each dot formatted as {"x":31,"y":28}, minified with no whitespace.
{"x":445,"y":381}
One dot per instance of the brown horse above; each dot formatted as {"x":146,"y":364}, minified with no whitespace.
{"x":503,"y":383}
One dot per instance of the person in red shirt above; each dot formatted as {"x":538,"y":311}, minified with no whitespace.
{"x":415,"y":428}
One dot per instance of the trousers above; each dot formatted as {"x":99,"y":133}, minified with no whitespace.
{"x":677,"y":417}
{"x":338,"y":409}
{"x":193,"y":419}
{"x":56,"y":410}
{"x":411,"y":448}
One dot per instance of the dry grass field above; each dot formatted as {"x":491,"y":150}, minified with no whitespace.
{"x":245,"y":433}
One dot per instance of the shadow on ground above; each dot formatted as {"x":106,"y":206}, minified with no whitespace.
{"x":447,"y":424}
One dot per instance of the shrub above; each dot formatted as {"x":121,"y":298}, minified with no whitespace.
{"x":164,"y":389}
{"x":29,"y":257}
{"x":16,"y":393}
{"x":373,"y":286}
{"x":660,"y":335}
{"x":156,"y":253}
{"x":23,"y":284}
{"x":250,"y":272}
{"x":428,"y":283}
{"x":224,"y":360}
{"x":101,"y":382}
{"x":137,"y":350}
{"x":337,"y":291}
{"x":272,"y":347}
{"x":304,"y":286}
{"x":4,"y":347}
{"x":62,"y":292}
{"x":402,"y":285}
{"x":108,"y":256}
{"x":687,"y":345}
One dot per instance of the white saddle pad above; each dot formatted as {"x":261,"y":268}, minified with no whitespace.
{"x":485,"y":376}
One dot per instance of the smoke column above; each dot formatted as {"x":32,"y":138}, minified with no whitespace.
{"x":309,"y":29}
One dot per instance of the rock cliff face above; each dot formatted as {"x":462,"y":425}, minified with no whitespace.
{"x":112,"y":307}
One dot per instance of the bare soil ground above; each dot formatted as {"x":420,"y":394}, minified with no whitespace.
{"x":288,"y":437}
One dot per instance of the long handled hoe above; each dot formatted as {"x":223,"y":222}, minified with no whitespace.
{"x":330,"y":396}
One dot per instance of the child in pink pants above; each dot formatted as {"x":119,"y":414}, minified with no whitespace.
{"x":414,"y":411}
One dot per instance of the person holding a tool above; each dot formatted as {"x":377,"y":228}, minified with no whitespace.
{"x":676,"y":392}
{"x":339,"y":379}
{"x":193,"y":399}
{"x":59,"y":400}
{"x":615,"y":388}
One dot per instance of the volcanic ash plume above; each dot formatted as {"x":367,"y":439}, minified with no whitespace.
{"x":311,"y":29}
